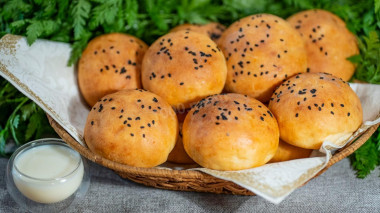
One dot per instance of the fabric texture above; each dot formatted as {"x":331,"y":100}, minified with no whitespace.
{"x":337,"y":190}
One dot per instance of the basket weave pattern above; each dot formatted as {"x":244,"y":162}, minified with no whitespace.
{"x":188,"y":180}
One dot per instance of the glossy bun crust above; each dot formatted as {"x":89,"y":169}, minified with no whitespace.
{"x":313,"y":107}
{"x":183,"y":67}
{"x":132,"y":127}
{"x":230,"y":132}
{"x":110,"y":63}
{"x":328,"y":42}
{"x":213,"y":29}
{"x":287,"y":152}
{"x":261,"y":51}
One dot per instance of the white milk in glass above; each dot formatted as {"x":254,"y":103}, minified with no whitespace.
{"x":48,"y":173}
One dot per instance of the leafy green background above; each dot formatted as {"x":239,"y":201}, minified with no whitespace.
{"x":78,"y":21}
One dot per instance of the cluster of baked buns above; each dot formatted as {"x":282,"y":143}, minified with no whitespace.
{"x":262,"y":90}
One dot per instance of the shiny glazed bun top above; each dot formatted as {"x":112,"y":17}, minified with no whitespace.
{"x":261,"y":51}
{"x":133,"y":127}
{"x":230,"y":132}
{"x":213,"y":29}
{"x":184,"y":67}
{"x":328,"y":42}
{"x":313,"y":107}
{"x":110,"y":63}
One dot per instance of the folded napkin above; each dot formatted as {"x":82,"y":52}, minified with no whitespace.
{"x":41,"y":73}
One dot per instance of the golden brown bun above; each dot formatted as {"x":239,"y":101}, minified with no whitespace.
{"x":184,"y":67}
{"x":287,"y":152}
{"x":230,"y":132}
{"x":261,"y":51}
{"x":110,"y":63}
{"x":133,"y":127}
{"x":328,"y":42}
{"x":313,"y":107}
{"x":213,"y":29}
{"x":178,"y":154}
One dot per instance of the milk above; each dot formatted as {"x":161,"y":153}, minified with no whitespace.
{"x":48,"y":173}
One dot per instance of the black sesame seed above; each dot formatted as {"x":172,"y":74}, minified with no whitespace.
{"x":100,"y":108}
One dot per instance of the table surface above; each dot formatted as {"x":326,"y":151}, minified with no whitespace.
{"x":337,"y":190}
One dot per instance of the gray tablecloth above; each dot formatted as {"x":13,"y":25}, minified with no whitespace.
{"x":337,"y":190}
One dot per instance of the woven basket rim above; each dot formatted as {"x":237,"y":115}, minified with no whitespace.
{"x":188,"y":174}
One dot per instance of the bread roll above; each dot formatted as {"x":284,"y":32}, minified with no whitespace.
{"x":178,"y":154}
{"x":184,"y":67}
{"x":133,"y":127}
{"x":110,"y":63}
{"x":328,"y":42}
{"x":261,"y":51}
{"x":287,"y":152}
{"x":230,"y":132}
{"x":314,"y":107}
{"x":213,"y":29}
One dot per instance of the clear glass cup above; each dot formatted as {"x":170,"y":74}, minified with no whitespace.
{"x":53,"y":194}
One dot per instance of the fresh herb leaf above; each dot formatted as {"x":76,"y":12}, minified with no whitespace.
{"x":367,"y":157}
{"x":80,"y":12}
{"x":368,"y":62}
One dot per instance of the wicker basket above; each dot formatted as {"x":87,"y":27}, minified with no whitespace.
{"x":185,"y":180}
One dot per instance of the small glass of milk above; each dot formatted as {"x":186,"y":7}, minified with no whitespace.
{"x":47,"y":175}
